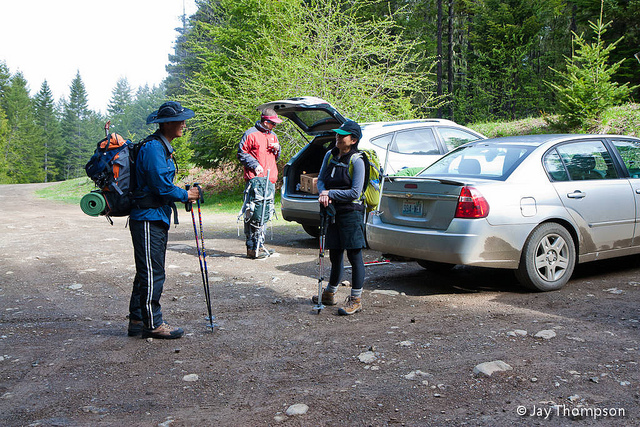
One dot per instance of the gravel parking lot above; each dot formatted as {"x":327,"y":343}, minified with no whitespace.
{"x":468,"y":347}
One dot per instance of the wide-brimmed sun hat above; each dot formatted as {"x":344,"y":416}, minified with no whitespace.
{"x":170,"y":111}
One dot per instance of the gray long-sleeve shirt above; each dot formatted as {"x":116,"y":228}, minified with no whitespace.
{"x":357,"y":180}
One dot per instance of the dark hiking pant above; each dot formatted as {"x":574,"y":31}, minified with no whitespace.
{"x":337,"y":267}
{"x":149,"y":249}
{"x":252,"y":235}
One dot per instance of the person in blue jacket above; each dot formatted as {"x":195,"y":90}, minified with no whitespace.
{"x":154,"y":199}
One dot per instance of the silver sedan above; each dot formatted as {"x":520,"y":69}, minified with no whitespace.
{"x":537,"y":204}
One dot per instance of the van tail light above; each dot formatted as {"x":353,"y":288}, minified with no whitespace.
{"x":471,"y":204}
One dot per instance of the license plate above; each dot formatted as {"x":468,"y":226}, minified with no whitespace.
{"x":413,"y":207}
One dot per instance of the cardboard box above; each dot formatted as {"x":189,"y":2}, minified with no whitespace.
{"x":309,"y":183}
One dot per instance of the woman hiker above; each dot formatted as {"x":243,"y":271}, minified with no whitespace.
{"x":340,"y":183}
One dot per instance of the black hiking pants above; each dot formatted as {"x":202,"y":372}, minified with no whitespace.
{"x":149,"y":249}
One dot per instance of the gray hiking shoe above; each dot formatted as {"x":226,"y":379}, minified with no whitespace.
{"x":163,"y":331}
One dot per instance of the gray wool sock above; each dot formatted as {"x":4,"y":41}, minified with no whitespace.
{"x":356,"y":293}
{"x":332,"y":289}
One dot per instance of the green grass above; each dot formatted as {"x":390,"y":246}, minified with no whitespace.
{"x":619,"y":120}
{"x":71,"y":191}
{"x":623,"y":120}
{"x":528,"y":126}
{"x":229,"y":202}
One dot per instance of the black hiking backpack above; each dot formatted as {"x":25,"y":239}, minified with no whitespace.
{"x":112,"y":169}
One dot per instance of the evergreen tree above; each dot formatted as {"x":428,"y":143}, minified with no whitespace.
{"x":503,"y":79}
{"x":4,"y":151}
{"x":78,"y":144}
{"x":120,"y":102}
{"x":624,"y":21}
{"x":587,"y":87}
{"x":5,"y":77}
{"x":147,"y":99}
{"x":4,"y":123}
{"x":182,"y":63}
{"x":47,"y":121}
{"x":24,"y":147}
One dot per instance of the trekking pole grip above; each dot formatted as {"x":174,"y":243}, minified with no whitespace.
{"x":188,"y":205}
{"x":195,"y":184}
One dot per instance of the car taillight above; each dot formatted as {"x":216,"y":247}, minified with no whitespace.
{"x":471,"y":204}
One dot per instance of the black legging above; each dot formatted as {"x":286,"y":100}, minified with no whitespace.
{"x":357,"y":267}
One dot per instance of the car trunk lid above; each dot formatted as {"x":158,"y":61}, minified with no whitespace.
{"x":425,"y":203}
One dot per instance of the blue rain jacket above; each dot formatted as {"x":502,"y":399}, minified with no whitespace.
{"x":155,"y":172}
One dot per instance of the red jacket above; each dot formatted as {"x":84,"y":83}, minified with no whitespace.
{"x":254,"y":150}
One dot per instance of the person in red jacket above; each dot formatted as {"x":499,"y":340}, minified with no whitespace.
{"x":258,"y":152}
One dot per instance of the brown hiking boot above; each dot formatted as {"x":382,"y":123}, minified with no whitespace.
{"x":354,"y":305}
{"x":135,"y":328}
{"x":328,"y":298}
{"x":163,"y":331}
{"x":251,"y":254}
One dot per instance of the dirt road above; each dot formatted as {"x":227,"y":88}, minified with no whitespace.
{"x":407,"y":359}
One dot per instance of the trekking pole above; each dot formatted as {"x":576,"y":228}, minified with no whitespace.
{"x":382,"y":261}
{"x":325,"y":217}
{"x":204,"y":259}
{"x":189,"y":208}
{"x":106,"y":129}
{"x":384,"y":171}
{"x":261,"y":235}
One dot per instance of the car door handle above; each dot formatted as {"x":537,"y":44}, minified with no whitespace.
{"x":576,"y":195}
{"x":637,"y":190}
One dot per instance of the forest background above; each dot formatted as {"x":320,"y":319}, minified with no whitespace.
{"x":565,"y":65}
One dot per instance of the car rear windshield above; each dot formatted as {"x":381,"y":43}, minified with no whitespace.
{"x":317,"y":120}
{"x":489,"y":161}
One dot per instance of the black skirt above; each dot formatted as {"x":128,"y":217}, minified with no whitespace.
{"x":347,"y":232}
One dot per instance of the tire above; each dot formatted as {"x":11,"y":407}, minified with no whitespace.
{"x":436,"y":267}
{"x":548,"y":258}
{"x":312,"y":230}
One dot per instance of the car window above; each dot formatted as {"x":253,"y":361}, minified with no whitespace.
{"x":383,"y":141}
{"x":416,"y":141}
{"x":453,"y":138}
{"x":630,"y":153}
{"x":317,"y":119}
{"x":554,"y":166}
{"x":482,"y":161}
{"x":586,"y":160}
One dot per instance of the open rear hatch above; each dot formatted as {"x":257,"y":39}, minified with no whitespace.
{"x":315,"y":117}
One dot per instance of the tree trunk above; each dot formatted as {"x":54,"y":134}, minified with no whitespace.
{"x":450,"y":60}
{"x":439,"y":69}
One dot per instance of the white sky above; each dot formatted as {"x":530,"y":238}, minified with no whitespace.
{"x":104,"y":40}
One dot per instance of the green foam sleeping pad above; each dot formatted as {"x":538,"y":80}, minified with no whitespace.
{"x":93,"y":204}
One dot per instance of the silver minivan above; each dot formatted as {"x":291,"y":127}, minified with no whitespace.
{"x":399,"y":144}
